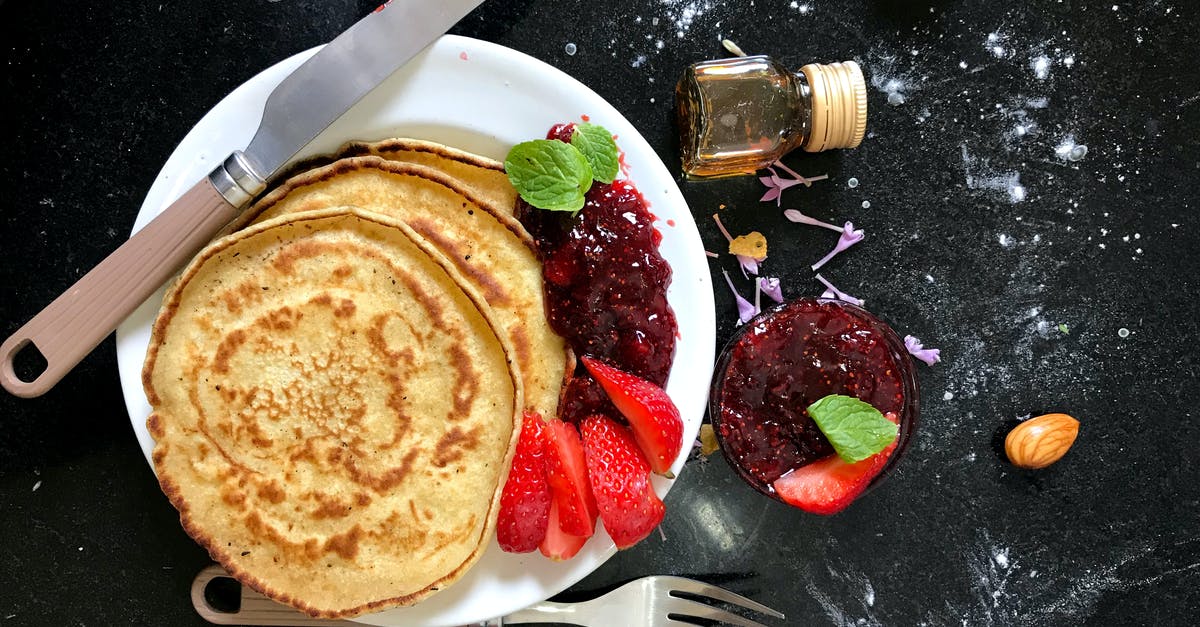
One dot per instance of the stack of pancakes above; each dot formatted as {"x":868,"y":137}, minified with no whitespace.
{"x":337,"y":383}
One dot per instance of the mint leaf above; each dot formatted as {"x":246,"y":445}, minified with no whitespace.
{"x":549,"y":174}
{"x":598,"y":147}
{"x":854,"y":428}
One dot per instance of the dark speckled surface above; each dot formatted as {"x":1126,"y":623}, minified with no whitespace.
{"x":981,"y":240}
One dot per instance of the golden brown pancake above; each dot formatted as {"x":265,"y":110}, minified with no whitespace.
{"x":489,"y":247}
{"x":333,"y":411}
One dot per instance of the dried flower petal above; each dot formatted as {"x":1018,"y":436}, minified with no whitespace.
{"x":745,"y":309}
{"x":795,"y":216}
{"x":850,"y":236}
{"x":711,"y":254}
{"x":749,"y":265}
{"x":752,"y":244}
{"x":834,"y":292}
{"x":770,"y":286}
{"x":928,"y":355}
{"x":776,"y":184}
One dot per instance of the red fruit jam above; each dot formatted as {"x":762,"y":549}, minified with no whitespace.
{"x":606,"y":287}
{"x":785,"y":359}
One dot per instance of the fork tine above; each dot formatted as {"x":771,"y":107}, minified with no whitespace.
{"x":696,"y":609}
{"x":699,"y":588}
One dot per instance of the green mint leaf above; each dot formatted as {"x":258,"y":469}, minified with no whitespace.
{"x":854,"y":428}
{"x":598,"y":147}
{"x":1062,"y":328}
{"x":549,"y":174}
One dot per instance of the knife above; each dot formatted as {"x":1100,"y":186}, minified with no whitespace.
{"x":304,"y":104}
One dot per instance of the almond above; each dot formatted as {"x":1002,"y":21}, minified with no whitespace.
{"x":1039,"y":442}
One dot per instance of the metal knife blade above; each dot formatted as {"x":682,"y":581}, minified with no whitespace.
{"x":345,"y":70}
{"x":303,"y":105}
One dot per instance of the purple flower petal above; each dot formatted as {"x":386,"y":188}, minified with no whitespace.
{"x":928,"y":355}
{"x":849,"y":237}
{"x":772,"y":194}
{"x":833,"y":292}
{"x":795,"y":216}
{"x":770,"y":286}
{"x":749,"y":265}
{"x":746,"y":310}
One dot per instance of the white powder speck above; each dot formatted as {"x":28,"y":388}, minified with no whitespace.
{"x":866,"y":204}
{"x":962,"y":64}
{"x":659,"y":44}
{"x":1001,"y":558}
{"x":895,"y":98}
{"x":804,"y":8}
{"x":948,"y":396}
{"x":570,"y":49}
{"x":37,"y":485}
{"x":1016,"y":193}
{"x":1005,"y":240}
{"x":1041,"y":67}
{"x":1068,"y":150}
{"x":852,"y":183}
{"x":1068,"y":61}
{"x":1137,"y":236}
{"x":998,"y":51}
{"x":1122,"y":332}
{"x":1138,"y":251}
{"x":869,"y":597}
{"x":80,"y":548}
{"x":639,"y":61}
{"x":929,"y":278}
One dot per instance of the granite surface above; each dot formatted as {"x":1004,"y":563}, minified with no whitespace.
{"x":1049,"y":284}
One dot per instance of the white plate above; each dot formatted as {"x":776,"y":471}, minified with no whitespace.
{"x":483,"y":98}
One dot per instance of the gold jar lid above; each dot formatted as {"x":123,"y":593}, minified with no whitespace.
{"x":839,"y":105}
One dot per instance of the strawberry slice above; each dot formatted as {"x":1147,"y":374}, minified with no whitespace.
{"x":827,"y":486}
{"x":525,"y":501}
{"x":559,"y":545}
{"x":620,"y":478}
{"x":567,"y":472}
{"x":655,"y":420}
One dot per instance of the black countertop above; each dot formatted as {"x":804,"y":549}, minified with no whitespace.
{"x":1048,"y":284}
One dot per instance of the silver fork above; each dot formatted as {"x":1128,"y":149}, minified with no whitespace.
{"x":655,"y":601}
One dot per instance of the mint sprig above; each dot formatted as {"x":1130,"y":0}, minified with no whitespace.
{"x":598,"y":147}
{"x":554,"y":175}
{"x":854,"y":428}
{"x":549,"y":174}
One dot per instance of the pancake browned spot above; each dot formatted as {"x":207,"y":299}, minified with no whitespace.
{"x":294,"y":432}
{"x":484,"y":242}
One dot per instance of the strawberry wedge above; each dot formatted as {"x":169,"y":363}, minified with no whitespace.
{"x":557,"y":544}
{"x":620,"y":479}
{"x":525,"y":501}
{"x":567,"y":473}
{"x":828,"y":486}
{"x":652,"y":416}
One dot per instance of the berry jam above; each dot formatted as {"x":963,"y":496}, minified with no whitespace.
{"x":606,"y":287}
{"x":782,"y":361}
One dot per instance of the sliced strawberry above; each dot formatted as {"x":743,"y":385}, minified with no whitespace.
{"x":567,"y":473}
{"x":620,"y":478}
{"x":829,"y":485}
{"x":559,"y":545}
{"x":654,"y":419}
{"x":525,"y":501}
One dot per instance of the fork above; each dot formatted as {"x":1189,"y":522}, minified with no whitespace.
{"x":655,"y":601}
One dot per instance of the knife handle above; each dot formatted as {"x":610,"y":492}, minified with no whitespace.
{"x":79,"y":319}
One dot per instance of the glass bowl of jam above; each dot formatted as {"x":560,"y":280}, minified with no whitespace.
{"x":788,"y":357}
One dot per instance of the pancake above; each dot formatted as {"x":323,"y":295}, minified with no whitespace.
{"x":488,"y":246}
{"x":481,"y":177}
{"x":484,"y":178}
{"x":334,"y":411}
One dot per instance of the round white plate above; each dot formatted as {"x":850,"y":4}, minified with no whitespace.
{"x":483,"y":98}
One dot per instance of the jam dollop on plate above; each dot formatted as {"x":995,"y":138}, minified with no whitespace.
{"x":790,"y":356}
{"x":606,"y":287}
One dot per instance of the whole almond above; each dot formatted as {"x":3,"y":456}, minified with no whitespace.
{"x":1039,"y":442}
